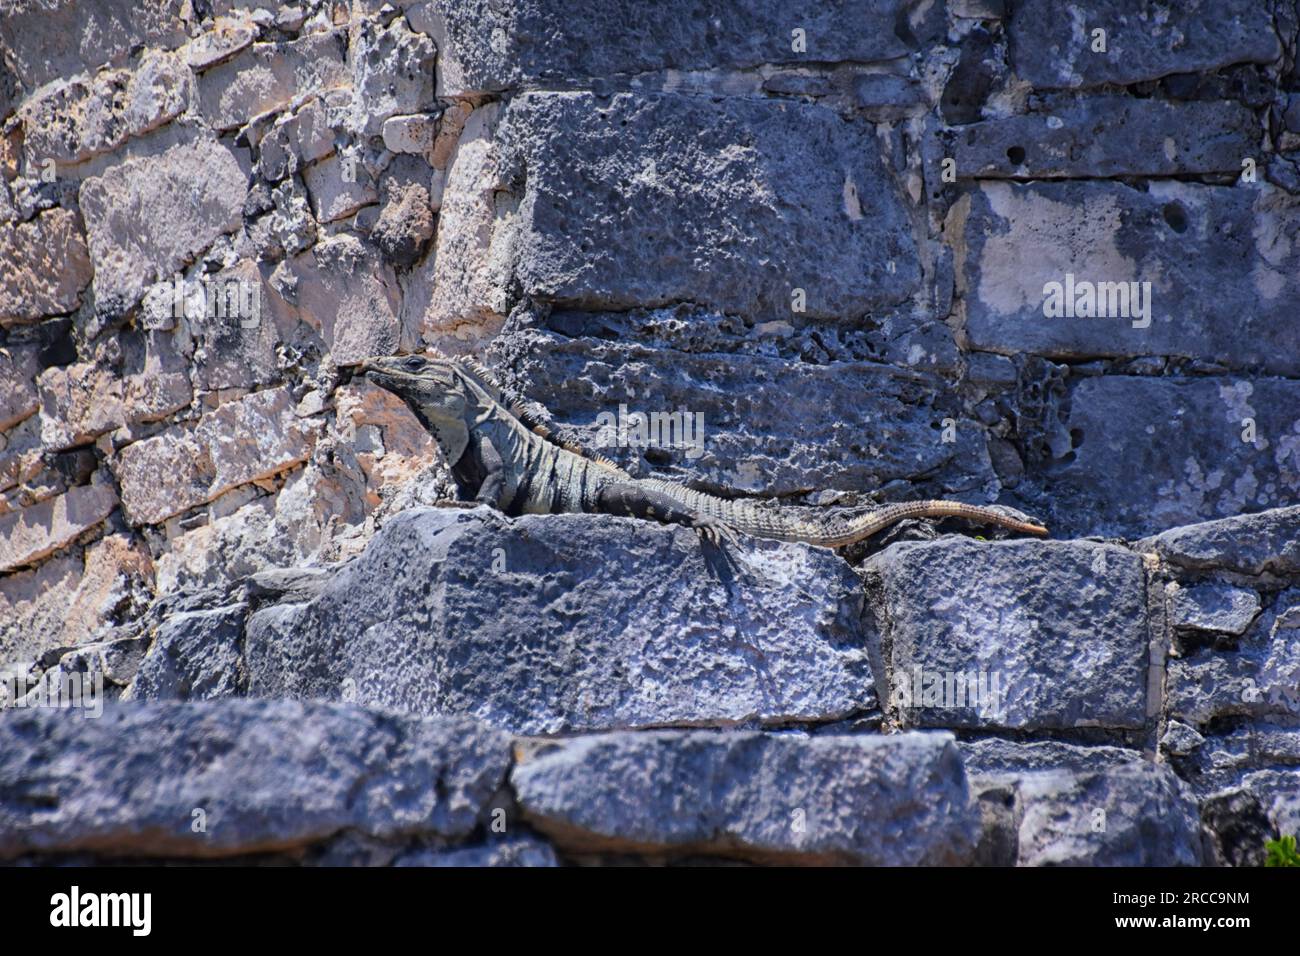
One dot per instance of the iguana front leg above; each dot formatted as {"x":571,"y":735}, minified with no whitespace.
{"x":494,"y":474}
{"x":633,"y":501}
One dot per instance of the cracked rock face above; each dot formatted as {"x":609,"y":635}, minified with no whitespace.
{"x":773,"y":637}
{"x":1033,"y":254}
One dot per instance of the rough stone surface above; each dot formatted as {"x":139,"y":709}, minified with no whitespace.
{"x":46,"y":267}
{"x":1014,"y":634}
{"x":1261,"y":676}
{"x":899,"y":800}
{"x":1268,"y":542}
{"x":658,"y":632}
{"x":72,"y":599}
{"x":1106,"y":136}
{"x":139,"y":233}
{"x":47,"y":40}
{"x":267,"y":76}
{"x":738,"y":203}
{"x":195,"y":656}
{"x":1220,"y":269}
{"x":1144,"y":41}
{"x":1213,"y":607}
{"x":1152,"y":454}
{"x":490,"y":47}
{"x":269,"y":775}
{"x":1131,"y":815}
{"x":764,"y":428}
{"x":27,"y":536}
{"x":240,"y":442}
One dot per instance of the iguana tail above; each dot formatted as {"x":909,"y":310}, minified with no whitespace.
{"x":835,"y":530}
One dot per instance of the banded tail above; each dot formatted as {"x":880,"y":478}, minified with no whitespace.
{"x":835,"y":531}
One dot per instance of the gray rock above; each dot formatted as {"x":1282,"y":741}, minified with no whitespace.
{"x":268,"y":76}
{"x":1028,"y":635}
{"x":267,"y":775}
{"x":512,"y":851}
{"x":1264,"y":543}
{"x":392,"y":73}
{"x":1213,"y":606}
{"x":729,"y":203}
{"x":1219,"y":284}
{"x":995,"y":759}
{"x":868,"y":800}
{"x":140,"y":234}
{"x":488,"y":47}
{"x":195,"y":656}
{"x":405,"y":225}
{"x":48,"y":39}
{"x":1180,"y":740}
{"x":1154,"y":453}
{"x":1106,"y":135}
{"x":1261,"y":677}
{"x":1052,"y":45}
{"x":547,"y":624}
{"x":767,"y":423}
{"x":1131,"y":815}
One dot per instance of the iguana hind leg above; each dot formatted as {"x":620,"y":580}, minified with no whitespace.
{"x":633,"y":501}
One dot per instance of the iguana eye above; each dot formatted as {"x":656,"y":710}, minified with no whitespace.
{"x":414,"y":363}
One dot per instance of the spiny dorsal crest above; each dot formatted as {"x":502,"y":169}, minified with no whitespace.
{"x":518,"y":406}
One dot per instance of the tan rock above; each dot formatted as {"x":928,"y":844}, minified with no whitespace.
{"x":138,"y":229}
{"x":19,"y":367}
{"x":33,"y":533}
{"x":268,"y":76}
{"x":228,"y":36}
{"x":85,"y":116}
{"x":181,"y":468}
{"x":46,"y":266}
{"x":47,"y":39}
{"x":404,"y":448}
{"x":339,"y":186}
{"x":467,"y":301}
{"x":352,"y":296}
{"x":79,"y":402}
{"x":71,"y":600}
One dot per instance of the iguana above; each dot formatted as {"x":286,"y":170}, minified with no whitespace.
{"x":501,"y":454}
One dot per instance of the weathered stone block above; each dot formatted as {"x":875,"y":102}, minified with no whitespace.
{"x":1155,"y":453}
{"x":572,"y":622}
{"x":866,"y":800}
{"x":268,"y":76}
{"x":254,"y":437}
{"x":731,"y":203}
{"x":46,"y":266}
{"x":489,"y":47}
{"x":1102,"y":136}
{"x":764,"y":427}
{"x":1030,"y":635}
{"x":39,"y":530}
{"x":48,"y":39}
{"x":269,"y":775}
{"x":1268,"y":542}
{"x":1214,"y":277}
{"x":1053,"y":47}
{"x":140,"y":233}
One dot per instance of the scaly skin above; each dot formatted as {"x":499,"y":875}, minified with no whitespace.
{"x":501,"y":457}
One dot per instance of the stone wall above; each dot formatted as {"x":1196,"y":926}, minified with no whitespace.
{"x":828,"y":228}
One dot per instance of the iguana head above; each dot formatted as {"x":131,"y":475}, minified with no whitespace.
{"x":443,"y":395}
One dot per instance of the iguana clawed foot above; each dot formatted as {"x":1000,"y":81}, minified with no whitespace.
{"x":714,"y":531}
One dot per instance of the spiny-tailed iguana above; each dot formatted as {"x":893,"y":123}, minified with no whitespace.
{"x":502,"y":455}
